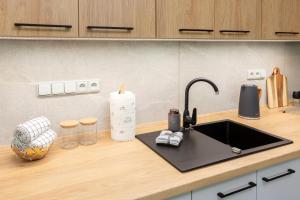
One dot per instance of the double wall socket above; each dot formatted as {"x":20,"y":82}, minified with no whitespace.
{"x":68,"y":87}
{"x":256,"y":74}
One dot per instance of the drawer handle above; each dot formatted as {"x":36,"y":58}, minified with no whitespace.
{"x":249,"y":186}
{"x":20,"y":25}
{"x":286,"y":33}
{"x":195,"y":30}
{"x":289,"y":172}
{"x":235,"y":31}
{"x":110,"y":28}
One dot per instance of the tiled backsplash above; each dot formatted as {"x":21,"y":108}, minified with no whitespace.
{"x":156,"y":72}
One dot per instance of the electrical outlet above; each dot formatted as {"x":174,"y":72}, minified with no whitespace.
{"x":94,"y":85}
{"x":256,"y":74}
{"x":82,"y":86}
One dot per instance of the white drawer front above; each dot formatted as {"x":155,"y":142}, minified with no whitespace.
{"x":280,"y":182}
{"x":229,"y":188}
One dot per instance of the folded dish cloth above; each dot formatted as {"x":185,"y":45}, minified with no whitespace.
{"x":170,"y":138}
{"x":30,"y":130}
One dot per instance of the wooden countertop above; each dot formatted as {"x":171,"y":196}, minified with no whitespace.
{"x":130,"y":170}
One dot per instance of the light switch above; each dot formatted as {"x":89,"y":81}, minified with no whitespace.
{"x":58,"y":88}
{"x":70,"y":87}
{"x":44,"y":89}
{"x":94,"y":85}
{"x":82,"y":86}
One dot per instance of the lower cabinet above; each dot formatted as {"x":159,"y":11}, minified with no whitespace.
{"x":279,"y":182}
{"x":186,"y":196}
{"x":241,"y":188}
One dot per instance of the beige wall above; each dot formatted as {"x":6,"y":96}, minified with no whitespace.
{"x":156,"y":72}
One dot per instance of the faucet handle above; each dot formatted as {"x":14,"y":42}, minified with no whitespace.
{"x":194,"y":116}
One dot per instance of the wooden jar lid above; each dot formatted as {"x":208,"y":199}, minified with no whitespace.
{"x":88,"y":121}
{"x":69,"y":124}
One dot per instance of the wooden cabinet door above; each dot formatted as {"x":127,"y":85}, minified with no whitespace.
{"x":117,"y":18}
{"x":39,"y":18}
{"x":241,"y":188}
{"x":280,"y":182}
{"x":280,"y":19}
{"x":185,"y":18}
{"x":238,"y":19}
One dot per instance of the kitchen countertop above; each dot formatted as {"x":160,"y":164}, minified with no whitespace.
{"x":130,"y":170}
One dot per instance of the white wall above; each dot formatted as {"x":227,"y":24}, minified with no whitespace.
{"x":156,"y":72}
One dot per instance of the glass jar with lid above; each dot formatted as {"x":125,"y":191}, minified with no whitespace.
{"x":69,"y":134}
{"x":88,"y":135}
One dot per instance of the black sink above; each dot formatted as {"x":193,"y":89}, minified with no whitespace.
{"x":214,"y":142}
{"x":240,"y":136}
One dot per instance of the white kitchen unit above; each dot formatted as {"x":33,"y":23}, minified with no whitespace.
{"x":279,"y":182}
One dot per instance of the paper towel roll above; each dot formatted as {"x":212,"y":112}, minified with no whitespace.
{"x":122,"y":116}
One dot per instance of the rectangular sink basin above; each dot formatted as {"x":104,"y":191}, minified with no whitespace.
{"x":240,"y":136}
{"x":213,"y":142}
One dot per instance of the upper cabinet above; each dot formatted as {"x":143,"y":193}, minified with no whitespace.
{"x":173,"y":19}
{"x":39,"y":18}
{"x":238,"y":19}
{"x":185,"y":18}
{"x":117,"y":18}
{"x":280,"y":19}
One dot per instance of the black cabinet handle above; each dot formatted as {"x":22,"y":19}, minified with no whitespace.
{"x":249,"y":186}
{"x":195,"y":30}
{"x":234,"y":31}
{"x":20,"y":25}
{"x":286,"y":33}
{"x":289,"y":172}
{"x":110,"y":28}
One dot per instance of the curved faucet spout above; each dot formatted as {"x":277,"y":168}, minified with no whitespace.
{"x":187,"y":120}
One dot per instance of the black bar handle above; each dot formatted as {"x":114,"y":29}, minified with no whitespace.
{"x":286,"y":33}
{"x":110,"y":28}
{"x":234,"y":31}
{"x":289,"y":172}
{"x":195,"y":30}
{"x":249,"y":186}
{"x":19,"y":25}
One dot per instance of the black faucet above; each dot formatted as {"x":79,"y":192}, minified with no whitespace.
{"x":187,"y":120}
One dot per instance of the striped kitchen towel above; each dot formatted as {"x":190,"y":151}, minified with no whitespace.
{"x":43,"y":141}
{"x":31,"y":130}
{"x":169,"y":138}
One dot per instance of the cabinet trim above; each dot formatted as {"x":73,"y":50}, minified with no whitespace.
{"x":235,"y":31}
{"x":195,"y":30}
{"x":286,"y":33}
{"x":109,"y":28}
{"x":20,"y":25}
{"x":249,"y":186}
{"x":272,"y":178}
